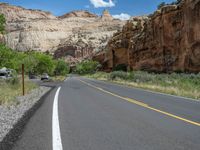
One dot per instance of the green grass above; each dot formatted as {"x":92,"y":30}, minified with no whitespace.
{"x":187,"y":85}
{"x":9,"y":90}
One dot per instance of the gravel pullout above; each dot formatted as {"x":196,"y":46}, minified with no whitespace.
{"x":13,"y":118}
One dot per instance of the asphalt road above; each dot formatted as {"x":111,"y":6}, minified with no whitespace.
{"x":85,"y":114}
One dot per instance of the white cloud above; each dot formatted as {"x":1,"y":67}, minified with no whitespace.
{"x":102,"y":3}
{"x":87,"y":6}
{"x":122,"y":16}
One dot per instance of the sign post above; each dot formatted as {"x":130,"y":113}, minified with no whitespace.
{"x":23,"y":91}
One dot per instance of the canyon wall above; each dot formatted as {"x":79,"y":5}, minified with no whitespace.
{"x":38,"y":30}
{"x":167,"y":41}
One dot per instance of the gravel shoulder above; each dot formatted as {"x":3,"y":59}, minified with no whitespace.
{"x":10,"y":116}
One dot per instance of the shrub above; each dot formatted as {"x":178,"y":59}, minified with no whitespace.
{"x":87,"y":67}
{"x":2,"y":23}
{"x":120,"y":67}
{"x":141,"y":76}
{"x":62,"y":68}
{"x":46,"y":64}
{"x":119,"y":74}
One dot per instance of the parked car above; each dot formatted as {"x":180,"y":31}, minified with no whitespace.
{"x":45,"y":76}
{"x":6,"y":73}
{"x":3,"y":75}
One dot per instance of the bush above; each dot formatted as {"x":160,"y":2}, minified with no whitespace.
{"x":62,"y":68}
{"x":87,"y":67}
{"x":141,"y":76}
{"x":119,"y":74}
{"x":2,"y":23}
{"x":120,"y":67}
{"x":46,"y":64}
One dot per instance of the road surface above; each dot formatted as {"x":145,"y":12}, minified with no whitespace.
{"x":86,"y":114}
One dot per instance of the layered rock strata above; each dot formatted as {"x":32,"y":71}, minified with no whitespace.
{"x":41,"y":31}
{"x":167,"y":41}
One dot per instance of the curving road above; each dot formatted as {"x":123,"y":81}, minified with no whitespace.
{"x":85,"y":114}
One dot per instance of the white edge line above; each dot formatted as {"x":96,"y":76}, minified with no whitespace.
{"x":56,"y":138}
{"x":165,"y":94}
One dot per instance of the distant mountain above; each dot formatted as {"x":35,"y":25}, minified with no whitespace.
{"x":79,"y":13}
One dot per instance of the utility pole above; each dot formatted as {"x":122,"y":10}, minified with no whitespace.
{"x":23,"y":91}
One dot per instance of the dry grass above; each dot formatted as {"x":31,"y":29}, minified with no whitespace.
{"x":186,"y":85}
{"x":9,"y":91}
{"x":58,"y":78}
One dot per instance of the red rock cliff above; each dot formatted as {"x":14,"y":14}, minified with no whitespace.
{"x":167,"y":41}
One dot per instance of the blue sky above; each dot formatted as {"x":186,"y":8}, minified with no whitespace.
{"x":59,"y":7}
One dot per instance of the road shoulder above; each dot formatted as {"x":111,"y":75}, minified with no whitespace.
{"x":14,"y":118}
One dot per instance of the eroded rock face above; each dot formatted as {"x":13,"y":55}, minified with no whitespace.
{"x":106,"y":16}
{"x":14,"y":13}
{"x":41,"y":31}
{"x":88,"y":39}
{"x":84,"y":14}
{"x":167,"y":41}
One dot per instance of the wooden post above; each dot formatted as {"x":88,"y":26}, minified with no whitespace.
{"x":23,"y":91}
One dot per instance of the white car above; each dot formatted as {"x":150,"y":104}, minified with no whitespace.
{"x":45,"y":76}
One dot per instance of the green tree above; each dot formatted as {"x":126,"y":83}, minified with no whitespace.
{"x":9,"y":58}
{"x":87,"y":66}
{"x":2,"y":23}
{"x":45,"y":64}
{"x":30,"y":62}
{"x":62,"y":68}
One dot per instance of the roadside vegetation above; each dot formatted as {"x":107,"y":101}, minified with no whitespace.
{"x":87,"y":67}
{"x":2,"y":23}
{"x":35,"y":63}
{"x":11,"y":88}
{"x":187,"y":85}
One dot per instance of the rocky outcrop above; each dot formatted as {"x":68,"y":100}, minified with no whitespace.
{"x":15,"y":13}
{"x":88,"y":39}
{"x":41,"y":31}
{"x":79,"y":13}
{"x":106,"y":16}
{"x":167,"y":41}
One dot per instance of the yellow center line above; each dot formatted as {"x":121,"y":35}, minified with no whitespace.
{"x":142,"y":104}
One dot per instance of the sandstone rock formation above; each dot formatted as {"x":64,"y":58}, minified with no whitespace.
{"x":89,"y":38}
{"x":41,"y":31}
{"x":167,"y":41}
{"x":83,"y":14}
{"x":106,"y":16}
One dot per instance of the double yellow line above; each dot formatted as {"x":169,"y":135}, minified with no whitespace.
{"x":142,"y":104}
